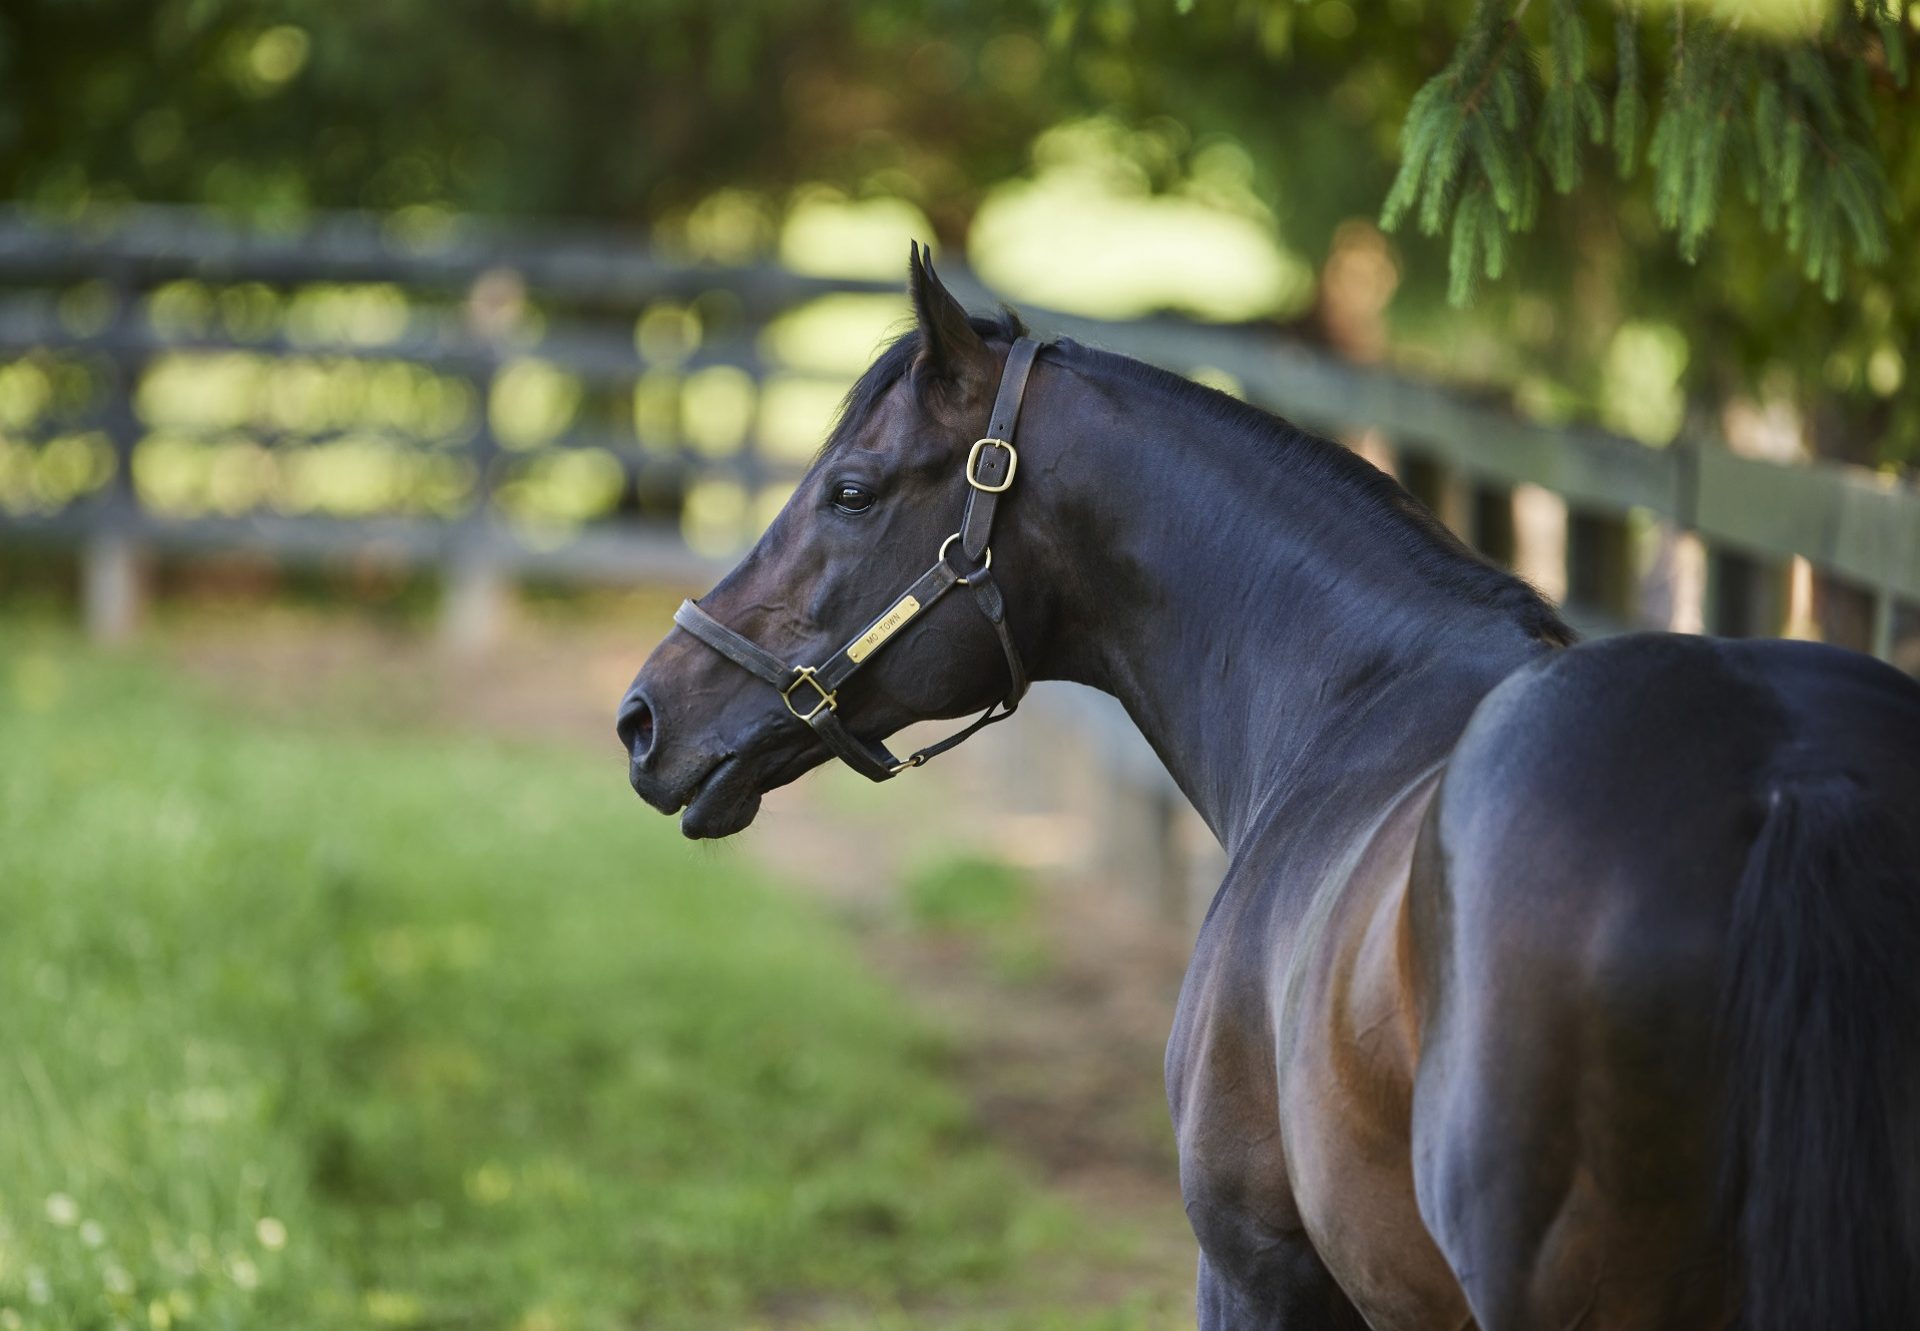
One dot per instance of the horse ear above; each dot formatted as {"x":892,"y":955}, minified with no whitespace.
{"x":950,"y":350}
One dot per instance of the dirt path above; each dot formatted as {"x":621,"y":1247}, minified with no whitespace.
{"x":1061,"y":1054}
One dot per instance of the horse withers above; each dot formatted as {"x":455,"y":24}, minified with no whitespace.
{"x":1550,"y":984}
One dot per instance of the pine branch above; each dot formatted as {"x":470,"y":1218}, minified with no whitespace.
{"x":1629,"y":102}
{"x":1465,"y":149}
{"x":1570,"y":105}
{"x":1794,"y":121}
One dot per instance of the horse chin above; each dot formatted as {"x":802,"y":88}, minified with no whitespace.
{"x":725,"y":802}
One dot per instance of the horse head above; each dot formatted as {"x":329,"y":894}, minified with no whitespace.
{"x":756,"y":684}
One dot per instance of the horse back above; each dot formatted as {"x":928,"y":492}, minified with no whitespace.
{"x":1573,"y":913}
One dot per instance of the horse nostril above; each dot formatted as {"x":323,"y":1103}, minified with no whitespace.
{"x":635,"y":727}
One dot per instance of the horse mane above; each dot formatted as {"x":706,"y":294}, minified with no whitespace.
{"x":1381,"y":508}
{"x":891,"y":366}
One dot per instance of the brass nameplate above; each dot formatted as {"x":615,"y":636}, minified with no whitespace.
{"x":883,"y":628}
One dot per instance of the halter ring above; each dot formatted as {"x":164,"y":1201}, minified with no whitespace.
{"x":948,"y":543}
{"x":804,"y":675}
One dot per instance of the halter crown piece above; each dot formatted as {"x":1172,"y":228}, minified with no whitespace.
{"x":812,"y":693}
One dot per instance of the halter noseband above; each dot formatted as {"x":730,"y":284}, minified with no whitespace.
{"x":990,"y":467}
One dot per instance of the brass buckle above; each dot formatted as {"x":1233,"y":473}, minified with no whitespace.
{"x":804,"y":675}
{"x":908,"y":763}
{"x":948,"y":545}
{"x":973,"y":462}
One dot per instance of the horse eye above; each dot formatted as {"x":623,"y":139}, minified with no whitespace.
{"x":850,"y":498}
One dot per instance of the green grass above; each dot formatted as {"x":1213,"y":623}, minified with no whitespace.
{"x":964,"y":892}
{"x":967,"y":891}
{"x":310,"y":1026}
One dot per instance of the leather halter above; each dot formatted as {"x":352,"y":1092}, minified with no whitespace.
{"x":989,"y":469}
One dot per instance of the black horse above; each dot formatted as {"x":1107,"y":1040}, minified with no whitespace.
{"x":1551,"y":985}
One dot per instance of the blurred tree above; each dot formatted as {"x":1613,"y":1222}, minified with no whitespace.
{"x":629,"y":110}
{"x":702,"y":120}
{"x":1797,"y":291}
{"x":1793,"y":113}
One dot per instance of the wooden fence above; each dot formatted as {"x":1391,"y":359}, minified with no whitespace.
{"x":95,"y":317}
{"x":475,"y":306}
{"x":477,"y":303}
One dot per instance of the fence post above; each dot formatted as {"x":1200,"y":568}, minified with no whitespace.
{"x":1418,"y":473}
{"x":473,"y":599}
{"x":1600,"y":572}
{"x":1171,"y":891}
{"x":1493,"y":534}
{"x":1140,"y":840}
{"x":1136,"y":812}
{"x":474,"y":595}
{"x":1745,"y":597}
{"x":1441,"y":489}
{"x":112,"y":573}
{"x":1845,"y":613}
{"x":1885,"y":612}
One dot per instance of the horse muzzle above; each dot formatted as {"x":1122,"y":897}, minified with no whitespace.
{"x":716,"y":788}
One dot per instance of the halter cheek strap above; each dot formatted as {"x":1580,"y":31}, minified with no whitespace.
{"x":812,"y":693}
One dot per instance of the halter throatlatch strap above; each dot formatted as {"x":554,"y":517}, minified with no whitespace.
{"x":812,"y":693}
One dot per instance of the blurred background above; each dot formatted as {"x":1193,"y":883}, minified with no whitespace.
{"x":374,"y":380}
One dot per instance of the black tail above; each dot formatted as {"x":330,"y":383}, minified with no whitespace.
{"x":1822,"y":1032}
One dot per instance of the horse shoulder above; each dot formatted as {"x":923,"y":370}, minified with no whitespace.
{"x":1347,"y":1048}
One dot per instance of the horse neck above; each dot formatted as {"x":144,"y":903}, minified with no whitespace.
{"x":1252,"y":600}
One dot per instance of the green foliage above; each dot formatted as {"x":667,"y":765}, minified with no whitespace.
{"x":319,"y":1027}
{"x":1465,"y":152}
{"x":705,"y":122}
{"x":633,"y":111}
{"x":1629,"y":98}
{"x":1690,"y":138}
{"x":1793,"y":114}
{"x":1571,"y":108}
{"x":1317,"y":92}
{"x":1802,"y":150}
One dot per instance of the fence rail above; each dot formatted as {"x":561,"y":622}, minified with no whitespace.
{"x":1463,"y":455}
{"x":477,"y":302}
